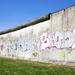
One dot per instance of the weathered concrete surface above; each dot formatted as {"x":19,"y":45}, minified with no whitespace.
{"x":51,"y":40}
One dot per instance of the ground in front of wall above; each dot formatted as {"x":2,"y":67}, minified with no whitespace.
{"x":24,"y":67}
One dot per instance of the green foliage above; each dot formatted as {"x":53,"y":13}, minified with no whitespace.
{"x":24,"y":67}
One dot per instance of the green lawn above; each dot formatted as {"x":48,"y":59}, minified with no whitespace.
{"x":24,"y":67}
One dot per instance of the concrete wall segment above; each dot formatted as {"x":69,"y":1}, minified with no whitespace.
{"x":52,"y":39}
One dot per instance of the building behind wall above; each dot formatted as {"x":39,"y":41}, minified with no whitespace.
{"x":50,"y":38}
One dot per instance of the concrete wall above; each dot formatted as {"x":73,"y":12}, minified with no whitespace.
{"x":50,"y":41}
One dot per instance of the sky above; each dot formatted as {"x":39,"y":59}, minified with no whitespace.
{"x":16,"y":12}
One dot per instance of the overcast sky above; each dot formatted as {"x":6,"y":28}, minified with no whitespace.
{"x":16,"y":12}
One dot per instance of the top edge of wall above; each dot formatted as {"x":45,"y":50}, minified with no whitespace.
{"x":27,"y":24}
{"x":63,"y":9}
{"x":32,"y":22}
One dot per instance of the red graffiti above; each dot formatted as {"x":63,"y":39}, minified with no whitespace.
{"x":59,"y":40}
{"x":2,"y":47}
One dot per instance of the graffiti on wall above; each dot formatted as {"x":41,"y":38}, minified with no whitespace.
{"x":22,"y":45}
{"x":59,"y":40}
{"x":64,"y":54}
{"x":1,"y":49}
